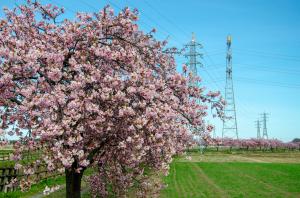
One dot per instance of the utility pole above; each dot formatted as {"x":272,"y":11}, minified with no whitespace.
{"x":193,"y":56}
{"x":265,"y":131}
{"x":229,"y":123}
{"x":258,"y":129}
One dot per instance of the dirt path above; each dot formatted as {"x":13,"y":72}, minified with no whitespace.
{"x":247,"y":159}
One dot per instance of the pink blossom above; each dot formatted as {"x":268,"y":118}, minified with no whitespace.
{"x":18,"y":166}
{"x":55,"y":74}
{"x":28,"y":171}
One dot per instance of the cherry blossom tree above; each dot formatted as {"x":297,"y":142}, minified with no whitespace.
{"x":253,"y":143}
{"x":228,"y":142}
{"x":215,"y":142}
{"x":292,"y":145}
{"x":93,"y":92}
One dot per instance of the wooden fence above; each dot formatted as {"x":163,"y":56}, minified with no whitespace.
{"x":6,"y":175}
{"x":9,"y":173}
{"x":4,"y":156}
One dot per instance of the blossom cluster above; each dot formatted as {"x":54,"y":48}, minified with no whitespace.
{"x":95,"y":91}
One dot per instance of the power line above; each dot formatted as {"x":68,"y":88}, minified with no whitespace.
{"x":167,"y":19}
{"x":244,"y":112}
{"x":258,"y":68}
{"x":212,"y":79}
{"x":184,"y":32}
{"x":268,"y":68}
{"x":268,"y":53}
{"x":243,"y":109}
{"x":89,"y":5}
{"x":176,"y":40}
{"x":67,"y":8}
{"x":269,"y":83}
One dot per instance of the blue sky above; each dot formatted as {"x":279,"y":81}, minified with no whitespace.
{"x":266,"y":51}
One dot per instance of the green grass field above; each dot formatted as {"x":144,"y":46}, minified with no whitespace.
{"x":247,"y":175}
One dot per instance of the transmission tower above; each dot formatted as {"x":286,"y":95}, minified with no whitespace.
{"x":258,"y":129}
{"x":193,"y":56}
{"x":229,"y":123}
{"x":214,"y":133}
{"x":265,"y":131}
{"x":193,"y":64}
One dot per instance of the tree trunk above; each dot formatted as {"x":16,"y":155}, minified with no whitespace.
{"x":73,"y":183}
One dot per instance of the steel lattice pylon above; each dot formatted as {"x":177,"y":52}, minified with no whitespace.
{"x":229,"y":123}
{"x":265,"y":131}
{"x":193,"y":64}
{"x":193,"y":55}
{"x":258,"y":136}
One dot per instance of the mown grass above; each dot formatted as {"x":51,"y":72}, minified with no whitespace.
{"x":232,"y":179}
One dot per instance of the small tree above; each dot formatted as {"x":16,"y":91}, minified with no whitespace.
{"x":97,"y":92}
